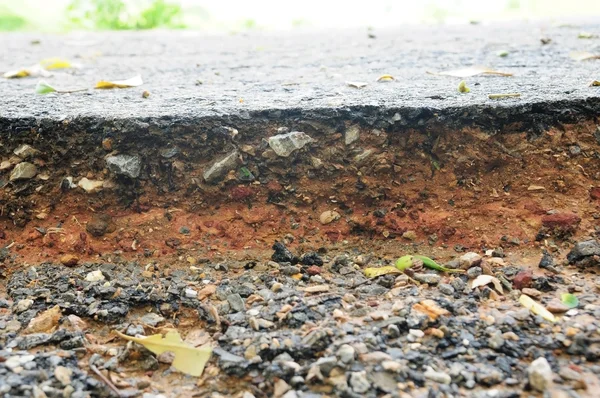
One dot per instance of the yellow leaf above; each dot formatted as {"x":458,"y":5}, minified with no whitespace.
{"x":431,"y":309}
{"x":471,"y":71}
{"x":133,"y":82}
{"x":462,"y":87}
{"x":55,"y":63}
{"x":34,"y":71}
{"x":483,"y":280}
{"x":536,"y":308}
{"x":374,"y":272}
{"x":595,"y":83}
{"x":583,"y":55}
{"x":386,"y":78}
{"x":188,"y":359}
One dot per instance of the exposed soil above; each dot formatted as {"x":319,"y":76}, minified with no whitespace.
{"x":170,"y":219}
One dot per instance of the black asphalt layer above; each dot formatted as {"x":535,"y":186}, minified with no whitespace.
{"x":193,"y":77}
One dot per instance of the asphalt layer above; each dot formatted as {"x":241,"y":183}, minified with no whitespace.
{"x":195,"y":76}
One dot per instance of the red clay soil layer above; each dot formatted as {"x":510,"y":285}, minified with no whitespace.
{"x":444,"y":189}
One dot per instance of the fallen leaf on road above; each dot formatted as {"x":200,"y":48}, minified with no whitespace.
{"x":570,"y":300}
{"x":536,"y":308}
{"x":356,"y":84}
{"x":502,"y":53}
{"x":583,"y":55}
{"x":188,"y":359}
{"x":471,"y":71}
{"x":374,"y":272}
{"x":132,"y":82}
{"x":595,"y":83}
{"x":586,"y":35}
{"x":44,"y":88}
{"x":47,"y":321}
{"x":483,"y":280}
{"x":462,"y":87}
{"x":385,"y":78}
{"x":33,"y":71}
{"x":430,"y":308}
{"x":55,"y":63}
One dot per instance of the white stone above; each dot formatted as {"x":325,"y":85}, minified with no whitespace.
{"x":469,"y":260}
{"x":540,"y":374}
{"x":438,"y":377}
{"x":90,"y":186}
{"x":352,"y":134}
{"x":329,"y":216}
{"x":94,"y":276}
{"x":191,"y":293}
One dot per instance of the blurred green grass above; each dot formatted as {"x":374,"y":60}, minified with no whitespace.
{"x":66,"y":15}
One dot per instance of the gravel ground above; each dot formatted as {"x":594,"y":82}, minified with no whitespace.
{"x":307,"y":325}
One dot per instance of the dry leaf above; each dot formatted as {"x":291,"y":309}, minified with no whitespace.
{"x":374,"y":272}
{"x":483,"y":280}
{"x":188,"y":359}
{"x":583,"y":55}
{"x":55,"y":63}
{"x":430,"y":308}
{"x":536,"y":308}
{"x":33,"y":71}
{"x":471,"y":71}
{"x":595,"y":83}
{"x":385,"y":78}
{"x":132,"y":82}
{"x":356,"y":84}
{"x":586,"y":35}
{"x":45,"y":322}
{"x":462,"y":87}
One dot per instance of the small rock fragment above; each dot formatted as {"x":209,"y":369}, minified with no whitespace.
{"x":284,"y":144}
{"x":45,"y":322}
{"x":540,"y":374}
{"x":90,"y":186}
{"x":100,"y":224}
{"x":63,"y":375}
{"x":522,"y":280}
{"x":69,"y":260}
{"x":430,"y":279}
{"x":346,"y":353}
{"x":352,"y":134}
{"x":469,"y":260}
{"x":220,"y":168}
{"x":23,"y":171}
{"x":127,"y":165}
{"x":359,"y":382}
{"x":26,"y":151}
{"x":438,"y":377}
{"x":329,"y":216}
{"x":95,"y":276}
{"x":584,"y":249}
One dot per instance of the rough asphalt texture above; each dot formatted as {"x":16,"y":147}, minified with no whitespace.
{"x":304,"y":74}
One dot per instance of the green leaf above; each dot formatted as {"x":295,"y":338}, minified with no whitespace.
{"x":462,"y":87}
{"x":44,"y":88}
{"x":502,"y":53}
{"x":570,"y":300}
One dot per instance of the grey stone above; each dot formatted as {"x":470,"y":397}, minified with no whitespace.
{"x":469,"y":260}
{"x":23,"y":171}
{"x":352,"y":134}
{"x":236,"y":302}
{"x":284,"y":144}
{"x":584,"y":249}
{"x":474,"y":272}
{"x":127,"y":165}
{"x":359,"y":382}
{"x":446,"y":289}
{"x":151,"y":319}
{"x":438,"y":377}
{"x":430,"y":279}
{"x":221,"y":167}
{"x":346,"y":353}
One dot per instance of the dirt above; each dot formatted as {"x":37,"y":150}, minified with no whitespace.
{"x":440,"y":193}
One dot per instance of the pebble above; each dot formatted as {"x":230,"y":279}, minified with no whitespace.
{"x":23,"y":305}
{"x":127,"y":165}
{"x":531,"y":292}
{"x":63,"y":375}
{"x":220,"y":168}
{"x":329,"y":216}
{"x":284,"y":144}
{"x":352,"y":134}
{"x":438,"y":377}
{"x":317,"y":289}
{"x":446,"y":289}
{"x":556,"y":306}
{"x":236,"y":303}
{"x":95,"y":276}
{"x":280,"y":387}
{"x":191,"y":293}
{"x":469,"y":260}
{"x":540,"y":374}
{"x":359,"y":382}
{"x":90,"y":186}
{"x":346,"y":353}
{"x":474,"y":272}
{"x":69,"y":260}
{"x":26,"y":151}
{"x":430,"y":279}
{"x":409,"y":235}
{"x":23,"y":171}
{"x":277,"y":287}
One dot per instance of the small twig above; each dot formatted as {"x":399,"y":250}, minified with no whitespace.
{"x":105,"y":380}
{"x":70,"y":91}
{"x":507,"y":95}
